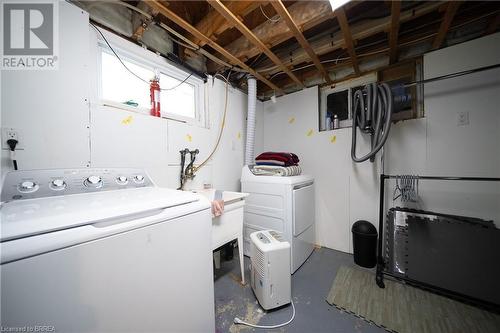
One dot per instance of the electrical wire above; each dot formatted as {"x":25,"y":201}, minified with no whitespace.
{"x":184,"y":44}
{"x":180,"y":83}
{"x":276,"y":20}
{"x":170,"y":31}
{"x":12,"y":146}
{"x":195,"y":168}
{"x":197,"y":48}
{"x":384,"y":50}
{"x":128,"y":69}
{"x":116,"y":55}
{"x":241,"y":322}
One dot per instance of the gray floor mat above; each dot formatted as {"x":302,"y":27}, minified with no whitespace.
{"x":405,"y":309}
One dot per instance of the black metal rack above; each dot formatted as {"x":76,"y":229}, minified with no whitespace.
{"x":380,"y":270}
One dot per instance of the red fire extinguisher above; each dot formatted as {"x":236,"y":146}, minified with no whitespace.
{"x":154,"y":93}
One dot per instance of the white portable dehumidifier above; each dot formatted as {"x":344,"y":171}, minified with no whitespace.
{"x":270,"y":269}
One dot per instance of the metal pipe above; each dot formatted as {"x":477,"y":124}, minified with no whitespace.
{"x":479,"y":179}
{"x":379,"y":278}
{"x":453,"y":75}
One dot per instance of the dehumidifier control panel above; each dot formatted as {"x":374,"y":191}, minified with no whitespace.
{"x":263,"y":238}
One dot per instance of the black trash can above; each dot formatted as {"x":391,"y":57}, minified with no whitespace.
{"x":364,"y":240}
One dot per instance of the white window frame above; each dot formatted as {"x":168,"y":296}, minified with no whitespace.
{"x":344,"y":85}
{"x":142,"y":57}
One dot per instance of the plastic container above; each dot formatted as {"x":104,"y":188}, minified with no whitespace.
{"x":335,"y":121}
{"x":364,"y":240}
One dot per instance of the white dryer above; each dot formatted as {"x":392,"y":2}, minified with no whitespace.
{"x":284,"y":204}
{"x":102,"y":250}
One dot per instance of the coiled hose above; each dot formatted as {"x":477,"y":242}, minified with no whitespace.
{"x":372,"y":117}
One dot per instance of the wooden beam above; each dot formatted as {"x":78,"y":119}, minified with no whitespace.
{"x":212,"y":25}
{"x":157,"y":5}
{"x":326,"y":43}
{"x":305,"y":14}
{"x":451,"y":10}
{"x":393,"y":34}
{"x":249,"y":34}
{"x":312,"y":76}
{"x":346,"y":32}
{"x":285,"y":15}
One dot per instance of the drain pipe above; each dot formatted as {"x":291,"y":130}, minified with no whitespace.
{"x":252,"y":101}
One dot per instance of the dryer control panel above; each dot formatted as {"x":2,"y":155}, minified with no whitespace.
{"x":30,"y":184}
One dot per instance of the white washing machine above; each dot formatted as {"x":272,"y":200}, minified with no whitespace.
{"x":103,"y":250}
{"x":284,"y":204}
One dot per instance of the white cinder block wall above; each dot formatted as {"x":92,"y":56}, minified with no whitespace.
{"x":63,"y":124}
{"x":434,"y":145}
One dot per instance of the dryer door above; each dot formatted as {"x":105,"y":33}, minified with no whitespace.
{"x":303,"y":208}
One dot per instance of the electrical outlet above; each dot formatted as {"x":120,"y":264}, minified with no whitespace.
{"x":11,"y":133}
{"x":463,"y":118}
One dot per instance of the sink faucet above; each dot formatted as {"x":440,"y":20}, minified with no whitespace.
{"x":189,"y":171}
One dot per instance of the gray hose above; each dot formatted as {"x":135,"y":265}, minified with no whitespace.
{"x":374,"y":119}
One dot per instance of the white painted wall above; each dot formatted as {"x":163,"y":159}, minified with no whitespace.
{"x":434,"y":145}
{"x":344,"y":192}
{"x":63,"y":124}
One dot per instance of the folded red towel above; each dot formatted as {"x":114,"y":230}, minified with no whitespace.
{"x":288,"y":158}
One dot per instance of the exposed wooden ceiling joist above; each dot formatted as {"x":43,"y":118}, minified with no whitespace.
{"x":326,"y":43}
{"x":160,"y":7}
{"x":305,"y":14}
{"x":213,"y":24}
{"x":451,"y":10}
{"x":377,"y":59}
{"x":326,"y":48}
{"x":346,"y":32}
{"x":254,"y":39}
{"x":393,"y":34}
{"x":285,"y":15}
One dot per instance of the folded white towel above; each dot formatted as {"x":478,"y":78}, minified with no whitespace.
{"x":270,"y":170}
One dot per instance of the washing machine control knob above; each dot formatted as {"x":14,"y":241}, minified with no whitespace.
{"x":122,"y":180}
{"x":58,"y":184}
{"x":139,"y":179}
{"x":28,"y":186}
{"x":93,"y":181}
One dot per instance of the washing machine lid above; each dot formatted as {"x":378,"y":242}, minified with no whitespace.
{"x":23,"y":218}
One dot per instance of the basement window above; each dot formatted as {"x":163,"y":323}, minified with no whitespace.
{"x":180,"y":101}
{"x":338,"y":101}
{"x":121,"y":87}
{"x":181,"y":98}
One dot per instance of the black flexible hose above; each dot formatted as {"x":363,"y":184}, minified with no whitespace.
{"x":373,"y":117}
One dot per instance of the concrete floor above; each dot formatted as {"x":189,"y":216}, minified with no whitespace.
{"x":310,"y":287}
